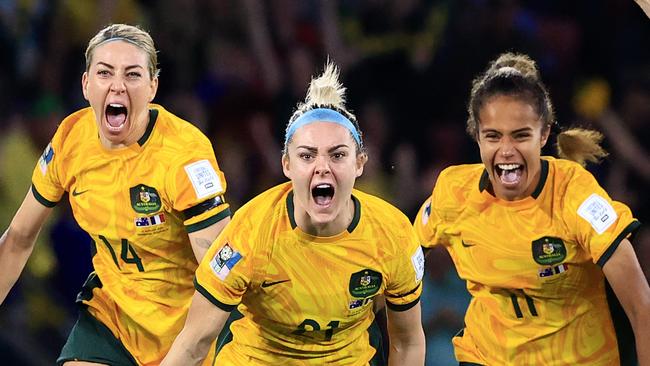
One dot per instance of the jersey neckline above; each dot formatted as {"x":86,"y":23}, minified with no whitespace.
{"x":292,"y":220}
{"x":484,"y":183}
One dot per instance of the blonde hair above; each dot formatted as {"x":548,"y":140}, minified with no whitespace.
{"x":517,"y":75}
{"x":127,"y":33}
{"x":580,"y":145}
{"x":325,"y":91}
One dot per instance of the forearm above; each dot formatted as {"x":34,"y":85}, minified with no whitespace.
{"x":410,"y":352}
{"x":641,"y":326}
{"x":186,"y":351}
{"x":14,"y":252}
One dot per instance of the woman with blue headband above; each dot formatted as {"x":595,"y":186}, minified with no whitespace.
{"x":305,"y":261}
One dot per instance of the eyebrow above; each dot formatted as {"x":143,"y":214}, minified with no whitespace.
{"x":525,"y":129}
{"x":113,"y":67}
{"x":315,"y":150}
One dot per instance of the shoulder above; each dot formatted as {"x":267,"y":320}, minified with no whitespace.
{"x":264,"y":205}
{"x":569,"y":176}
{"x":174,"y":128}
{"x":379,"y":210}
{"x":79,"y":124}
{"x":455,"y":183}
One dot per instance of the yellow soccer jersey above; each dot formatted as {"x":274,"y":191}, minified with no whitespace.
{"x":533,"y":266}
{"x":137,"y":203}
{"x":307,"y":300}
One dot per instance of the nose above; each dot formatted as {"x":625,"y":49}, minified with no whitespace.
{"x":322,"y":166}
{"x":507,"y":148}
{"x":118,"y":86}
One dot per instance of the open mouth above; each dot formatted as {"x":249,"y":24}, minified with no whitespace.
{"x":509,"y":174}
{"x":116,"y":116}
{"x":323,"y":194}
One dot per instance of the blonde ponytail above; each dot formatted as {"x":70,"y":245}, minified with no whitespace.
{"x":580,"y":145}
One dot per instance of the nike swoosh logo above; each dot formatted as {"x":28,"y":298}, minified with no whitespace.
{"x":266,"y":284}
{"x":466,"y":245}
{"x":75,"y":193}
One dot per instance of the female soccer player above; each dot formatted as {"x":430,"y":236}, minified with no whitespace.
{"x":151,"y":205}
{"x":305,"y":260}
{"x":538,"y":241}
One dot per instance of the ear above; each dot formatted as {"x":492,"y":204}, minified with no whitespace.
{"x":84,"y":84}
{"x":362,"y":159}
{"x":545,"y":133}
{"x":285,"y":166}
{"x":154,"y":88}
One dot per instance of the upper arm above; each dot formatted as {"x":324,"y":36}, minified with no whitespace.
{"x":29,"y":218}
{"x":626,"y":277}
{"x":405,"y":326}
{"x":204,"y":319}
{"x":202,"y":239}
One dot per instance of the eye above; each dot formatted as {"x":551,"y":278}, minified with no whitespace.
{"x":133,"y":75}
{"x":306,"y":156}
{"x":339,"y":155}
{"x":522,"y":136}
{"x":103,"y":73}
{"x":491,"y":136}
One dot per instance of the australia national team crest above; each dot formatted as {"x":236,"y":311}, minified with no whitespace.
{"x":365,"y":283}
{"x":548,"y":250}
{"x":144,"y":199}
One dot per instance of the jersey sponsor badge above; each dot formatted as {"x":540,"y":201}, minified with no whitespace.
{"x":548,"y":250}
{"x":204,"y":178}
{"x":144,"y":199}
{"x":417,"y":259}
{"x":598,"y":212}
{"x":225,"y":259}
{"x":46,"y":158}
{"x":365,"y":283}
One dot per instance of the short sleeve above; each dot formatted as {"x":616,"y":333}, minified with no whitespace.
{"x":428,"y":221}
{"x":197,"y":187}
{"x":47,"y":184}
{"x":406,"y":269}
{"x":225,"y":273}
{"x":600,"y":223}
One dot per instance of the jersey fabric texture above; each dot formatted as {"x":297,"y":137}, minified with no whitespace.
{"x":138,"y":204}
{"x":307,"y":300}
{"x":532,"y":266}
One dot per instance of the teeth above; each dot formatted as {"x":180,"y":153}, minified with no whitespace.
{"x":508,"y":166}
{"x":323,"y":186}
{"x":116,"y":105}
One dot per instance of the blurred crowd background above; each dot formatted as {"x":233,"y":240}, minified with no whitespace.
{"x":237,"y":68}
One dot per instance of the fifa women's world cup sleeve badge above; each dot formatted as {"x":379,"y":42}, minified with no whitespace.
{"x":225,"y":259}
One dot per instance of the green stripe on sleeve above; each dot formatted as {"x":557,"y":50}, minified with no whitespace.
{"x":207,"y":222}
{"x":212,"y":299}
{"x":44,"y":201}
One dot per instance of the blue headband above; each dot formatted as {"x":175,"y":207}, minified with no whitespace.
{"x":322,"y":115}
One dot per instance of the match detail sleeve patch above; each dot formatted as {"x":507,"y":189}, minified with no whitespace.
{"x":204,"y":178}
{"x":417,"y":260}
{"x":426,"y":213}
{"x":225,"y":259}
{"x":598,"y":212}
{"x":46,"y":158}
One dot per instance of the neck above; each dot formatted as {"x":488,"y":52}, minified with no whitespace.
{"x":340,"y":223}
{"x":132,"y":136}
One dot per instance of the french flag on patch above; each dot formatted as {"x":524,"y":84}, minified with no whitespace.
{"x":561,"y":268}
{"x":157,"y":219}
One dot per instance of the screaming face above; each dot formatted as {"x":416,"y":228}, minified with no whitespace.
{"x":510,"y":138}
{"x":119,"y":89}
{"x":323,"y":165}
